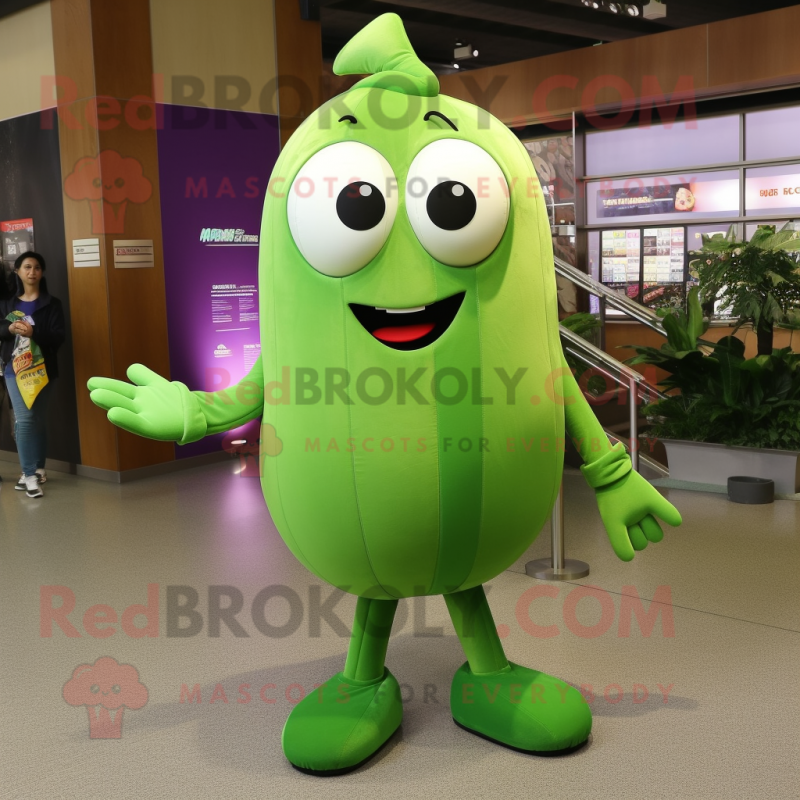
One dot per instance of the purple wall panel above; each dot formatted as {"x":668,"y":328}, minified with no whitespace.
{"x":214,"y":167}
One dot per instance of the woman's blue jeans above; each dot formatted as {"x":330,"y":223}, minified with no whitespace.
{"x":30,"y":427}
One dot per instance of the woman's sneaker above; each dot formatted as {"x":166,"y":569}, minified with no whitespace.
{"x":40,"y":475}
{"x":32,"y":487}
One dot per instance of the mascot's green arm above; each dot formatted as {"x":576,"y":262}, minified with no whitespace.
{"x":603,"y":464}
{"x":223,"y":410}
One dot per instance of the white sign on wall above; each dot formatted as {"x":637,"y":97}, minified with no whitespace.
{"x":86,"y":252}
{"x":133,"y":253}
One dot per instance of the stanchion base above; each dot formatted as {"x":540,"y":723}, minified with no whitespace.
{"x":542,"y":568}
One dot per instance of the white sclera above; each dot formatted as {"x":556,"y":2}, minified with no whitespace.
{"x":465,"y":162}
{"x":324,"y":240}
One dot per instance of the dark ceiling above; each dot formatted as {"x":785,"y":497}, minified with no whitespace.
{"x":511,"y":30}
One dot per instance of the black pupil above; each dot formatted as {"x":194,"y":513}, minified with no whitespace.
{"x":360,"y":206}
{"x":451,"y":205}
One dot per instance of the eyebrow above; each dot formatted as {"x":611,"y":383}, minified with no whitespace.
{"x":439,"y":114}
{"x":348,"y":118}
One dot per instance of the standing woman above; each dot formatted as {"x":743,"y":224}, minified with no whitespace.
{"x":46,"y":331}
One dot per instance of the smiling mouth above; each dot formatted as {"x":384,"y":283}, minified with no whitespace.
{"x":408,"y":328}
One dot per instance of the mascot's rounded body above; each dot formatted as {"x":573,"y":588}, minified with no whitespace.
{"x":413,"y":392}
{"x":388,"y":487}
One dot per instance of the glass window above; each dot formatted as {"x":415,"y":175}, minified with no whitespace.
{"x":693,"y":143}
{"x":770,"y":189}
{"x":772,"y":134}
{"x":663,"y":197}
{"x":752,"y":227}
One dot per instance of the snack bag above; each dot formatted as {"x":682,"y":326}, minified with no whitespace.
{"x":28,"y":363}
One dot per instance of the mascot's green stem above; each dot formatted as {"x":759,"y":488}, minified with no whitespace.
{"x":369,"y":640}
{"x":472,"y":620}
{"x":476,"y":630}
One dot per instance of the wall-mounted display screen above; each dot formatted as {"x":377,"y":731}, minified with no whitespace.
{"x":663,"y":255}
{"x":620,"y":261}
{"x":621,"y":256}
{"x":648,"y":264}
{"x":663,"y":197}
{"x":663,"y":266}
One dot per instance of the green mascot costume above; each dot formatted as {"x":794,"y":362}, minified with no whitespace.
{"x":414,"y":395}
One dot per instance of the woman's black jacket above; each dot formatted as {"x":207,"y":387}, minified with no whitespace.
{"x":48,"y":330}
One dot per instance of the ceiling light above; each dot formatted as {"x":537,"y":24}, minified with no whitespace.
{"x":633,"y":11}
{"x":456,"y":65}
{"x":613,"y":8}
{"x":463,"y":51}
{"x":654,"y":10}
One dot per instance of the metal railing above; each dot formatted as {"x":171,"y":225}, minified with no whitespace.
{"x":636,"y":384}
{"x":558,"y":567}
{"x":609,"y":297}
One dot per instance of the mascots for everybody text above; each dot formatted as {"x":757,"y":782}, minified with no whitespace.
{"x":407,"y":251}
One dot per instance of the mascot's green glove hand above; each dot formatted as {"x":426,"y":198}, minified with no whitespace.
{"x":151,"y":406}
{"x":628,"y":503}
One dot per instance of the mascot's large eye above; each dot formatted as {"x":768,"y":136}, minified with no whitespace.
{"x":341,"y":207}
{"x":457,"y":201}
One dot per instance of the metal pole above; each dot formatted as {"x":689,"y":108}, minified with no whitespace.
{"x":557,"y":568}
{"x":557,"y":530}
{"x":602,"y":323}
{"x":634,"y":420}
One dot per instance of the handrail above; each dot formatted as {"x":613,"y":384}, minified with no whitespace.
{"x":637,"y":385}
{"x":647,"y":461}
{"x":612,"y":297}
{"x":597,"y":358}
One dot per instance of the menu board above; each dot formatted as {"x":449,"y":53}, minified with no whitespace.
{"x":663,"y":257}
{"x":620,"y":256}
{"x":663,"y":262}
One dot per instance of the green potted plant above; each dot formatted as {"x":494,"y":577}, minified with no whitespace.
{"x":726,"y":414}
{"x":757,"y":282}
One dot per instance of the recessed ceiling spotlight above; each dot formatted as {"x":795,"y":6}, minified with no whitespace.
{"x":463,"y":51}
{"x":613,"y":8}
{"x":633,"y":11}
{"x":456,"y":65}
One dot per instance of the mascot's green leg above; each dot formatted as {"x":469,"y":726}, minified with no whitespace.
{"x":343,"y":723}
{"x":502,"y":701}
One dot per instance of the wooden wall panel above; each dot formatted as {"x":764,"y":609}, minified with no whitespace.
{"x":72,"y":44}
{"x":137,"y":297}
{"x":300,"y":74}
{"x":619,"y":335}
{"x":589,"y":78}
{"x":88,"y":296}
{"x":118,"y":315}
{"x":123,"y":55}
{"x":755,"y":51}
{"x":745,"y":53}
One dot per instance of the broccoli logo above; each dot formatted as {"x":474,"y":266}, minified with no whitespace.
{"x":109,"y":182}
{"x":106,"y":688}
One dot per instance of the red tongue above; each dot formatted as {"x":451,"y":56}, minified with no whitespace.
{"x":403,"y":333}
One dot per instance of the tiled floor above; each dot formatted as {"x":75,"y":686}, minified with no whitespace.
{"x":725,"y":649}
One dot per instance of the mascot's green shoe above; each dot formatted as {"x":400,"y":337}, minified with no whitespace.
{"x":342,"y":724}
{"x":521,"y":709}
